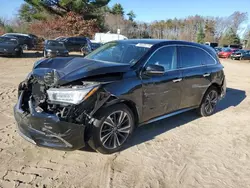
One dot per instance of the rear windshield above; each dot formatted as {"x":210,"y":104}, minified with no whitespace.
{"x":55,"y":44}
{"x":120,"y":52}
{"x":4,"y":40}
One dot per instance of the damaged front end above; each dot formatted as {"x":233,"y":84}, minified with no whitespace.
{"x":57,"y":116}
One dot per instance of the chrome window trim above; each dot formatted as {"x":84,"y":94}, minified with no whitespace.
{"x":215,"y":61}
{"x":181,"y":45}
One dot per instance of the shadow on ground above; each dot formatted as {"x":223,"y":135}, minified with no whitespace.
{"x":148,"y":132}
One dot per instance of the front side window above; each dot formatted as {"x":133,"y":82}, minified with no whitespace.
{"x":165,"y":57}
{"x":193,"y":57}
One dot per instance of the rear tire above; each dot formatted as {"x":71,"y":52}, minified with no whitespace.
{"x":209,"y":102}
{"x":112,"y":128}
{"x":45,"y":54}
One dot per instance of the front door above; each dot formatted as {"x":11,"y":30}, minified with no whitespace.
{"x":162,"y":94}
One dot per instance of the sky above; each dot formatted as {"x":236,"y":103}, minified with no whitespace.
{"x":149,"y":10}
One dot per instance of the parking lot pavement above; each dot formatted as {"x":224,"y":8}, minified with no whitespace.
{"x":182,"y":151}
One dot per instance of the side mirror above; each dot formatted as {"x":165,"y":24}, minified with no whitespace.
{"x":154,"y":70}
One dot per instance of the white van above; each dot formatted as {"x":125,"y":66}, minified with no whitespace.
{"x":107,"y":37}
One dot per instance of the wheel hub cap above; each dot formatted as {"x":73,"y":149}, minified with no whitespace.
{"x":115,"y":129}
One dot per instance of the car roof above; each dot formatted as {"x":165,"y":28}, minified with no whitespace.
{"x":9,"y":37}
{"x":159,"y":41}
{"x":166,"y":42}
{"x":18,"y":34}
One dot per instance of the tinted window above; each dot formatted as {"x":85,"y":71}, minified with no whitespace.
{"x":5,"y":40}
{"x":81,"y":39}
{"x":71,"y":40}
{"x":165,"y":57}
{"x":192,"y":56}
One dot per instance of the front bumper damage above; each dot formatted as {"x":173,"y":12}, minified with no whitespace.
{"x":47,"y":130}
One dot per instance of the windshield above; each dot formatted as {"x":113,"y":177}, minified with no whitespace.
{"x":226,"y":50}
{"x":5,"y":40}
{"x":55,"y":44}
{"x":240,"y":51}
{"x":120,"y":52}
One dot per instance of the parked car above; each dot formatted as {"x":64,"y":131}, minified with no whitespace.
{"x":76,"y":43}
{"x":212,"y":44}
{"x":26,"y":41}
{"x":53,"y":48}
{"x":217,"y":50}
{"x":226,"y":52}
{"x":234,"y":46}
{"x":60,"y":38}
{"x":65,"y":103}
{"x":241,"y":55}
{"x":9,"y":46}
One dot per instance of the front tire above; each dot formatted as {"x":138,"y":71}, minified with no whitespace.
{"x":209,"y":102}
{"x":19,"y":53}
{"x":112,"y":129}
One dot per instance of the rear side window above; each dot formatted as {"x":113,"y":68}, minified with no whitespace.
{"x":165,"y":57}
{"x":192,"y":57}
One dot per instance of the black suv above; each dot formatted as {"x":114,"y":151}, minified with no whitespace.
{"x":26,"y":41}
{"x":76,"y":43}
{"x":100,"y":99}
{"x":54,"y":48}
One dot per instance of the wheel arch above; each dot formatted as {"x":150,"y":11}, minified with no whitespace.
{"x":215,"y":85}
{"x":130,"y":104}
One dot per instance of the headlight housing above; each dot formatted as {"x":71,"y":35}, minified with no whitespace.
{"x":48,"y":50}
{"x":74,"y":95}
{"x":16,"y":49}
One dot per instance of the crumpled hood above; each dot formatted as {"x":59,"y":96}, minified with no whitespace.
{"x":71,"y":69}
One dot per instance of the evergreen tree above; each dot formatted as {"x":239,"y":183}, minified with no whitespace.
{"x":230,"y":38}
{"x":200,"y":35}
{"x":131,"y":15}
{"x":117,"y":9}
{"x":86,"y":8}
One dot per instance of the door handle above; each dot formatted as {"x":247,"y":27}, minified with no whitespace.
{"x":206,"y":75}
{"x":177,"y":80}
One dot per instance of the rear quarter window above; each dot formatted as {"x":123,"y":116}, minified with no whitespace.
{"x":192,"y":57}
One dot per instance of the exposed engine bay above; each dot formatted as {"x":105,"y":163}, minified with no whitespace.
{"x":36,"y":90}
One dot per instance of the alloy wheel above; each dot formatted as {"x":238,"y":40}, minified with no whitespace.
{"x":115,"y":129}
{"x":211,"y":101}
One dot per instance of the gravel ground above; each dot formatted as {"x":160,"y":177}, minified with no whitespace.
{"x":182,"y":151}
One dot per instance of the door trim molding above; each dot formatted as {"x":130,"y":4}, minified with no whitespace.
{"x":167,"y":115}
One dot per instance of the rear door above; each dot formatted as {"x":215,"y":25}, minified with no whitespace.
{"x":162,"y":94}
{"x":196,"y":75}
